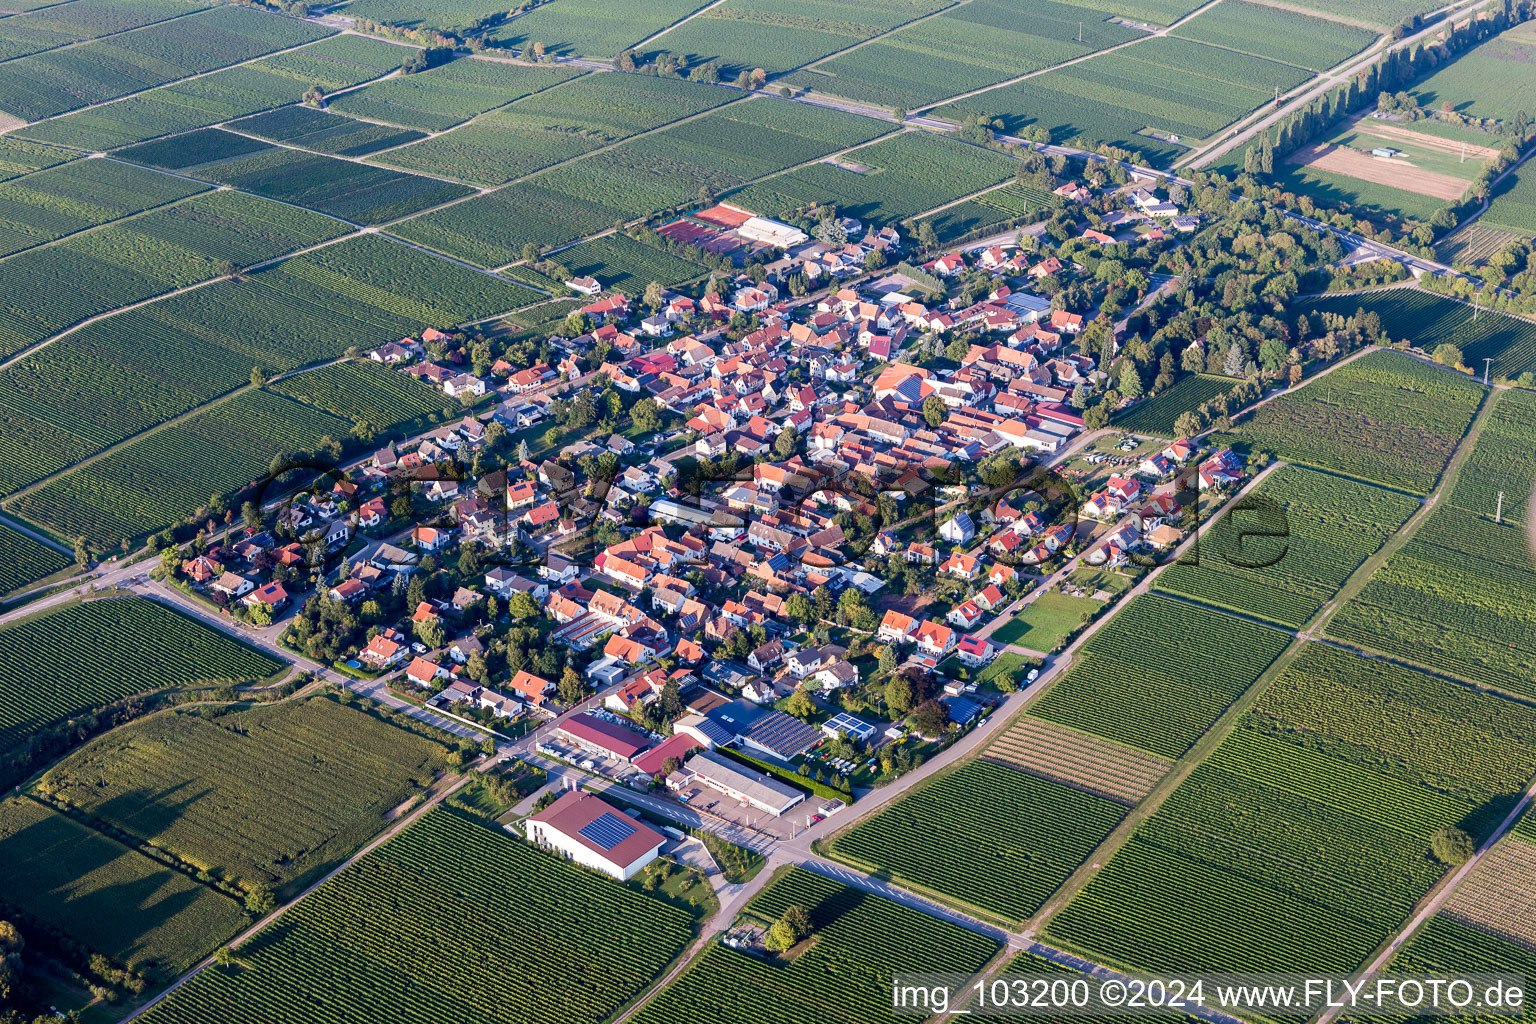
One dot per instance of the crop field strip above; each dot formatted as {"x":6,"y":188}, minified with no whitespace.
{"x":909,"y":174}
{"x":333,"y":63}
{"x":1446,"y":947}
{"x":118,"y":384}
{"x":1157,"y":414}
{"x":1165,"y":84}
{"x":718,"y":150}
{"x":1460,"y":596}
{"x":102,"y":651}
{"x":24,"y":561}
{"x":1022,"y":836}
{"x":1473,"y":243}
{"x":53,"y":203}
{"x":1159,"y":674}
{"x":1384,"y":418}
{"x":47,"y":84}
{"x":622,"y":263}
{"x":83,"y":20}
{"x":1291,"y":37}
{"x":966,"y":48}
{"x":1491,"y":80}
{"x":1429,"y":320}
{"x":1006,"y":202}
{"x":555,"y":125}
{"x":107,"y":897}
{"x":1299,"y":537}
{"x":499,"y":932}
{"x":843,"y":977}
{"x":266,"y":795}
{"x":594,"y":28}
{"x":18,"y":157}
{"x":1513,"y":207}
{"x":1302,"y":842}
{"x":1079,"y":759}
{"x":364,"y":392}
{"x":359,"y":193}
{"x":324,"y":132}
{"x":449,"y":94}
{"x":780,"y":35}
{"x":1500,"y":895}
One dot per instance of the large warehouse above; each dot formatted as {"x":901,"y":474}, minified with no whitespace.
{"x":592,"y":833}
{"x":736,"y":781}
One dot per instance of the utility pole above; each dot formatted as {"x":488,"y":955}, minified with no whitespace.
{"x":1498,"y":516}
{"x":1486,"y":362}
{"x":1079,"y":31}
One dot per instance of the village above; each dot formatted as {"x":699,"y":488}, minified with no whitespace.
{"x":801,"y":543}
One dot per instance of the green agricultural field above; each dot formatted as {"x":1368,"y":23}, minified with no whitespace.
{"x":124,"y":384}
{"x":324,"y":132}
{"x":364,"y":391}
{"x":82,"y":20}
{"x":59,"y":201}
{"x":721,"y":150}
{"x":969,"y":47}
{"x":557,"y":124}
{"x":102,"y":651}
{"x":374,"y":276}
{"x":1008,"y":202}
{"x":593,"y":28}
{"x":107,"y":897}
{"x":1382,"y":15}
{"x":1447,"y":947}
{"x":1157,"y":415}
{"x":356,"y":192}
{"x":1160,"y":673}
{"x":468,"y":897}
{"x":1473,"y":244}
{"x":1293,"y":544}
{"x":1288,"y":36}
{"x":24,"y":561}
{"x":1156,"y":12}
{"x":778,"y":35}
{"x":626,"y":265}
{"x":165,"y":476}
{"x":1491,"y":80}
{"x":1460,"y":596}
{"x":1428,"y":320}
{"x":333,"y":63}
{"x":1384,"y":418}
{"x":267,"y":795}
{"x":1305,"y":839}
{"x":1046,"y":622}
{"x":1165,"y":85}
{"x":1514,"y":203}
{"x":427,"y":13}
{"x":18,"y":157}
{"x":1023,"y":836}
{"x":861,"y":941}
{"x":440,"y":98}
{"x":51,"y":83}
{"x":906,"y":175}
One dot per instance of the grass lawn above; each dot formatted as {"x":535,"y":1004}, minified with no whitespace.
{"x":1046,"y":622}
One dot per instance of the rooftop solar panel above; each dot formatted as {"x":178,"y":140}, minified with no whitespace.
{"x":608,"y":830}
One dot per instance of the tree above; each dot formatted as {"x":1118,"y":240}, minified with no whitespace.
{"x":785,"y":444}
{"x":1452,"y":847}
{"x":931,"y":718}
{"x":1130,"y":380}
{"x":898,"y":695}
{"x":956,"y":350}
{"x":571,"y":689}
{"x":1232,"y":362}
{"x":927,"y":237}
{"x":886,"y":660}
{"x":1447,"y":354}
{"x":800,"y":704}
{"x":1295,"y":377}
{"x":1272,"y":354}
{"x":792,"y":926}
{"x":258,"y":379}
{"x":521,"y":606}
{"x":1187,"y":425}
{"x":259,"y":899}
{"x":654,"y":296}
{"x":934,"y":410}
{"x":82,"y":553}
{"x":1079,"y":397}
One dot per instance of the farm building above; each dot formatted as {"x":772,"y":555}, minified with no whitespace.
{"x":736,"y":781}
{"x":592,"y":833}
